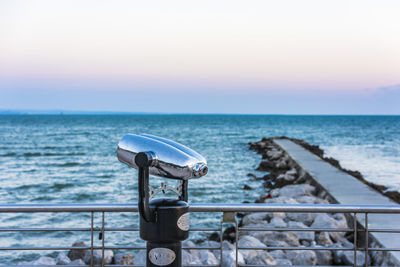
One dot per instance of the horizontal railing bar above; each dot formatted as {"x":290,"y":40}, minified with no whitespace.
{"x":116,"y":265}
{"x":381,"y":230}
{"x":88,"y":248}
{"x":191,"y":265}
{"x":251,"y":265}
{"x":244,"y":229}
{"x":68,"y":208}
{"x":87,"y":229}
{"x":381,"y":249}
{"x":68,"y":248}
{"x":202,"y":248}
{"x":240,"y":229}
{"x":204,"y":229}
{"x":45,"y":229}
{"x":295,"y":248}
{"x":106,"y":265}
{"x":209,"y":207}
{"x":118,"y":229}
{"x":298,"y":208}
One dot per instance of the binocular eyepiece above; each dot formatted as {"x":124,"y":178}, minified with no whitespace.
{"x":168,"y":159}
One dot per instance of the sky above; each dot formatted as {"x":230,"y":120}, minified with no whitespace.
{"x":209,"y":56}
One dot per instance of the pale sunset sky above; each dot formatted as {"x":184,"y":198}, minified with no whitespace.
{"x":256,"y":57}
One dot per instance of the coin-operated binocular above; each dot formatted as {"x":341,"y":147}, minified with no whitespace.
{"x":164,"y":222}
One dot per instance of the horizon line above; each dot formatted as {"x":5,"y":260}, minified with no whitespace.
{"x":99,"y":112}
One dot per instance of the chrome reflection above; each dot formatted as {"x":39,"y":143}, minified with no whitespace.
{"x":170,"y":159}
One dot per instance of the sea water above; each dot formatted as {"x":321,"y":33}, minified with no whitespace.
{"x":72,"y":159}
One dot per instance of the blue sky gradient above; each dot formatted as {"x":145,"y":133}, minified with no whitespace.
{"x":263,"y":57}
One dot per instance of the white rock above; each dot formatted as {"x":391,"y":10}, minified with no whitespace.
{"x":140,"y":257}
{"x":210,"y":243}
{"x":307,"y":199}
{"x":208,"y":258}
{"x":280,"y":176}
{"x":279,"y":215}
{"x":191,"y":244}
{"x":302,"y":257}
{"x":281,"y":199}
{"x":292,"y":172}
{"x":348,"y":258}
{"x":123,"y":259}
{"x":97,"y":256}
{"x":341,"y":221}
{"x":283,"y":262}
{"x":337,"y":254}
{"x":77,"y":262}
{"x":188,"y":243}
{"x":255,"y":218}
{"x":229,"y":258}
{"x":274,"y":154}
{"x":346,"y":243}
{"x":278,"y":254}
{"x":323,"y":220}
{"x":260,"y":235}
{"x":311,"y":200}
{"x":226,"y":245}
{"x":44,"y":261}
{"x":278,"y":222}
{"x":62,"y":259}
{"x":281,"y":239}
{"x":281,"y":164}
{"x":296,"y":190}
{"x":302,"y":235}
{"x":249,"y":241}
{"x":274,"y":192}
{"x":188,"y":258}
{"x":260,"y":258}
{"x":289,"y":178}
{"x":324,"y":239}
{"x":306,"y":218}
{"x":324,"y":257}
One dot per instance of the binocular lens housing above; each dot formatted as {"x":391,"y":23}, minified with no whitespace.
{"x":168,"y":159}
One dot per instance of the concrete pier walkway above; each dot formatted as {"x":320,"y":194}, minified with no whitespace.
{"x":345,"y":189}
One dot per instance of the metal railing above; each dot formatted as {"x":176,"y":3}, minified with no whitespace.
{"x":360,"y":230}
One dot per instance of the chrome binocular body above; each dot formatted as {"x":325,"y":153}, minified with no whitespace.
{"x":169,"y":159}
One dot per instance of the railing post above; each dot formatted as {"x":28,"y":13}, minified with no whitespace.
{"x":91,"y":238}
{"x":355,"y":239}
{"x":230,"y":217}
{"x":102,"y":239}
{"x":366,"y":239}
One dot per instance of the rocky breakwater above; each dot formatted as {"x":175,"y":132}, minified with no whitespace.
{"x":285,"y":183}
{"x":83,"y":257}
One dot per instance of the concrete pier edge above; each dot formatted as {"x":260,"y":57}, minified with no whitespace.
{"x":343,"y":188}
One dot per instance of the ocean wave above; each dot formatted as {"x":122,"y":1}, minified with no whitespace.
{"x":59,"y":186}
{"x":32,"y":154}
{"x":9,"y":154}
{"x":64,"y":154}
{"x":71,"y":164}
